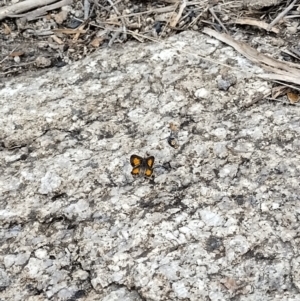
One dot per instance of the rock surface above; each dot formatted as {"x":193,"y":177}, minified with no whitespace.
{"x":220,"y":220}
{"x":259,"y":4}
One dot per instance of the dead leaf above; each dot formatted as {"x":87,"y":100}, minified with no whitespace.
{"x":69,"y":31}
{"x":173,"y":127}
{"x":230,"y":284}
{"x":293,"y":97}
{"x":57,"y":40}
{"x":16,"y":53}
{"x":7,"y":29}
{"x":96,"y":42}
{"x":176,"y":16}
{"x":76,"y":37}
{"x":254,"y":22}
{"x":174,"y":19}
{"x":61,"y":17}
{"x":278,"y":91}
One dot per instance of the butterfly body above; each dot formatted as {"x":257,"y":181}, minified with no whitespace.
{"x":141,"y":166}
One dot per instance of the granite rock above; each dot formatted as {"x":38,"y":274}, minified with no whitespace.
{"x":220,"y":218}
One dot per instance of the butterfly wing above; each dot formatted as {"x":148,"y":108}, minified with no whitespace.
{"x":149,"y":164}
{"x":148,"y":172}
{"x":150,"y":161}
{"x":136,"y":160}
{"x":136,"y":171}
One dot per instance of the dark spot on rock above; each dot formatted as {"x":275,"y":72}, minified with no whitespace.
{"x":235,"y":298}
{"x":226,"y":81}
{"x":32,"y":215}
{"x":239,"y":200}
{"x":59,"y":196}
{"x":71,"y":226}
{"x":93,"y":165}
{"x":167,"y":166}
{"x":18,"y":127}
{"x":33,"y":290}
{"x":30,"y":149}
{"x":178,"y":202}
{"x":241,"y":219}
{"x":216,"y":172}
{"x":187,"y":122}
{"x":213,"y":243}
{"x":23,"y":157}
{"x":84,"y":78}
{"x":79,"y":294}
{"x":158,"y":27}
{"x":77,"y":112}
{"x":231,"y":62}
{"x":259,"y":256}
{"x":249,"y":254}
{"x":59,"y":63}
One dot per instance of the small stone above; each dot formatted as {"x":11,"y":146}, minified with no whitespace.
{"x":61,"y":16}
{"x":277,"y":42}
{"x":202,"y":93}
{"x":17,"y":59}
{"x":264,"y":207}
{"x":227,"y":81}
{"x":41,"y":254}
{"x":9,"y":260}
{"x":229,"y":170}
{"x":291,"y":30}
{"x":49,"y":182}
{"x":43,"y":62}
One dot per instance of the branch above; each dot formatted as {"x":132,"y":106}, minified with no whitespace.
{"x":22,"y":7}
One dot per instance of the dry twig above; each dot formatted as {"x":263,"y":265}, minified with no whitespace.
{"x":253,"y":22}
{"x":288,"y":72}
{"x":281,"y":15}
{"x":22,"y":7}
{"x":68,"y":31}
{"x":86,"y":9}
{"x":211,"y":10}
{"x":287,"y":85}
{"x":5,"y":58}
{"x":32,"y":15}
{"x":177,"y":16}
{"x":114,"y":7}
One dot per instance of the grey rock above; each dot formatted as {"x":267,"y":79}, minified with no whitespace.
{"x":218,"y":222}
{"x":226,"y":81}
{"x":259,"y":4}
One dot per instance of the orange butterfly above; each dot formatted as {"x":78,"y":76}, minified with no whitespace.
{"x":141,"y":166}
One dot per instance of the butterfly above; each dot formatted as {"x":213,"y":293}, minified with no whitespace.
{"x":142,"y":166}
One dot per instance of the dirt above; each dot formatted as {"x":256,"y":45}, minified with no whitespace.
{"x":50,"y":39}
